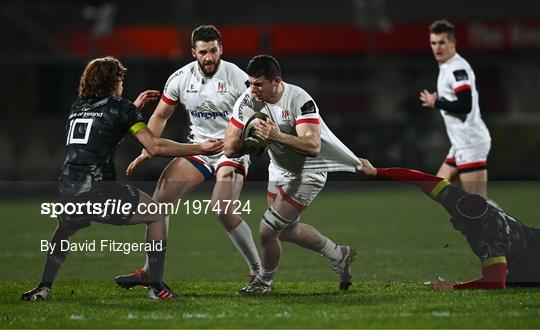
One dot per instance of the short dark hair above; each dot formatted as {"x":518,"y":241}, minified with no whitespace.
{"x":264,"y":65}
{"x":100,"y":77}
{"x":442,"y":26}
{"x":205,"y":33}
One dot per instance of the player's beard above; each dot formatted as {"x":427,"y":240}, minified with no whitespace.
{"x":215,"y":66}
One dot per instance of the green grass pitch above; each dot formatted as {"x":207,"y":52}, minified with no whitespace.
{"x":403,"y":239}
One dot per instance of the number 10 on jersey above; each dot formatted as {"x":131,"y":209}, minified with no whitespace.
{"x":79,"y":131}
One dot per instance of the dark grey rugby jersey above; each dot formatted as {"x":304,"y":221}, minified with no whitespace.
{"x":94,"y":129}
{"x":499,"y":235}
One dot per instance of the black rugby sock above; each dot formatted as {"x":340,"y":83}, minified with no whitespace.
{"x":156,"y":262}
{"x":53,"y":263}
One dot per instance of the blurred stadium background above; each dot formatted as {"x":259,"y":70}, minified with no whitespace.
{"x":364,"y":62}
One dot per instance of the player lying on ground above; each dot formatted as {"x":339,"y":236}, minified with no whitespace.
{"x":98,"y":121}
{"x":508,"y":250}
{"x":207,"y":89}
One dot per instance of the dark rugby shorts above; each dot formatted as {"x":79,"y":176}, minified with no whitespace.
{"x":114,"y":193}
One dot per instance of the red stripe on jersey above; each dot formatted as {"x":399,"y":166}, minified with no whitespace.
{"x":308,"y":120}
{"x":462,"y":88}
{"x":291,"y":201}
{"x":234,"y":165}
{"x":236,"y":123}
{"x":168,"y":101}
{"x":271,"y":195}
{"x":450,"y":160}
{"x":472,"y":165}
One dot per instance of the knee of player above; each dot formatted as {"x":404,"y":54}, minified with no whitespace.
{"x":168,"y":190}
{"x":227,"y":219}
{"x":164,"y":196}
{"x":155,"y":218}
{"x":267,"y":235}
{"x":273,"y":223}
{"x":289,"y":233}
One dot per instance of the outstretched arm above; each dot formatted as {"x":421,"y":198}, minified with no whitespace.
{"x":165,"y":147}
{"x":493,"y":277}
{"x":431,"y":185}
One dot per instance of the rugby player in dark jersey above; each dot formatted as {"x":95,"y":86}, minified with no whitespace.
{"x":97,"y":122}
{"x":508,"y":250}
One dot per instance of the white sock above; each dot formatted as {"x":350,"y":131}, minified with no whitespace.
{"x":243,"y":240}
{"x":267,"y":275}
{"x":146,"y":267}
{"x":331,"y":251}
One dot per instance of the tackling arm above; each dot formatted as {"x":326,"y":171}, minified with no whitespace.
{"x":165,"y":147}
{"x":431,"y":185}
{"x":493,"y":276}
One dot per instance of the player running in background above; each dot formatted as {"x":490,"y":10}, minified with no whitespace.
{"x":509,"y":251}
{"x":302,"y":151}
{"x":207,"y":88}
{"x":98,"y":121}
{"x":457,"y":99}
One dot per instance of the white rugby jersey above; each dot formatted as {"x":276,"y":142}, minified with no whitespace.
{"x":456,"y":75}
{"x":295,"y":107}
{"x":208,"y":101}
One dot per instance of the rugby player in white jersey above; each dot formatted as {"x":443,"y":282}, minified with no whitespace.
{"x":207,"y":88}
{"x":457,"y":99}
{"x":302,"y":151}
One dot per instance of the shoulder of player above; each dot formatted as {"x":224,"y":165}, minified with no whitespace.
{"x":120,"y":102}
{"x":245,"y":105}
{"x":458,"y":63}
{"x":298,"y":96}
{"x":231,"y":71}
{"x":228,"y":66}
{"x":179,"y":77}
{"x":246,"y":99}
{"x":184,"y":71}
{"x":494,"y":227}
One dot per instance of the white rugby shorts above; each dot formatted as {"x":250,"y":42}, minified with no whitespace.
{"x":469,"y":159}
{"x":297,"y":189}
{"x":208,"y":165}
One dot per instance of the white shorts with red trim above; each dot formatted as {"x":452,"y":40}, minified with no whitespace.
{"x":210,"y":164}
{"x":469,"y":159}
{"x":298,"y":190}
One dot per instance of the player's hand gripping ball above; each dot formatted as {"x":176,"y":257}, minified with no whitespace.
{"x":256,"y":144}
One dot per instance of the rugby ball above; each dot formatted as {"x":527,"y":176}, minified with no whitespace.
{"x":248,"y":134}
